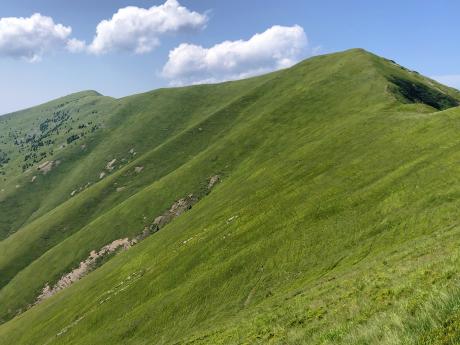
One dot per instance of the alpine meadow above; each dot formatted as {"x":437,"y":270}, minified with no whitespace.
{"x":313,"y":205}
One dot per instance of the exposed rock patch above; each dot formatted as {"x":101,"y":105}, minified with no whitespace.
{"x":179,"y":207}
{"x":213,"y":180}
{"x":84,"y":268}
{"x":231,"y":219}
{"x":45,"y":167}
{"x":110,"y":165}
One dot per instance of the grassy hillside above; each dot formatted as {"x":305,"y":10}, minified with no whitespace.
{"x":335,"y":221}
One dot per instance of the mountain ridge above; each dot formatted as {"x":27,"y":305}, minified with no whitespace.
{"x":320,"y":166}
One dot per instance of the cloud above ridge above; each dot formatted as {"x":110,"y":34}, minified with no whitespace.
{"x":32,"y":37}
{"x":276,"y":48}
{"x":138,"y":30}
{"x":131,"y":29}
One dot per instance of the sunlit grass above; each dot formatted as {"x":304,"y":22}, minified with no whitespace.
{"x":336,"y":221}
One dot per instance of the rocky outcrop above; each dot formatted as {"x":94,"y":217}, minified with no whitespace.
{"x":110,"y":165}
{"x":47,"y":166}
{"x":179,"y":207}
{"x":84,"y":268}
{"x":212,"y":181}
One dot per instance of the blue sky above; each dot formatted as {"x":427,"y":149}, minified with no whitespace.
{"x":421,"y":35}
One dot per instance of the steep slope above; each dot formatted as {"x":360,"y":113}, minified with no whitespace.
{"x":138,"y":139}
{"x":335,"y":221}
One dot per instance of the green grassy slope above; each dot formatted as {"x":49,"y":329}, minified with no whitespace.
{"x":150,"y":123}
{"x":335,"y":221}
{"x":32,"y":137}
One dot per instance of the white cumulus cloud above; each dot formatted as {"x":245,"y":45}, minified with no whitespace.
{"x":29,"y":38}
{"x":276,"y":48}
{"x":138,"y":30}
{"x":76,"y":46}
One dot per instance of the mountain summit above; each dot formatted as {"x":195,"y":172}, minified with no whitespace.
{"x":313,"y":205}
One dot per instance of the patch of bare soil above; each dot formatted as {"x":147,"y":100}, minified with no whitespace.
{"x":84,"y":268}
{"x":179,"y":207}
{"x":213,"y":180}
{"x":45,"y":167}
{"x":110,"y":165}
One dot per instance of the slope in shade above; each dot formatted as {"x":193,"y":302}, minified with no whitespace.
{"x":417,"y":92}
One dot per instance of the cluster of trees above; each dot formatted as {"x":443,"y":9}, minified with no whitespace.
{"x":37,"y":142}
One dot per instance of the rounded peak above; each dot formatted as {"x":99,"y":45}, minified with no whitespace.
{"x":85,"y":93}
{"x":356,"y":51}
